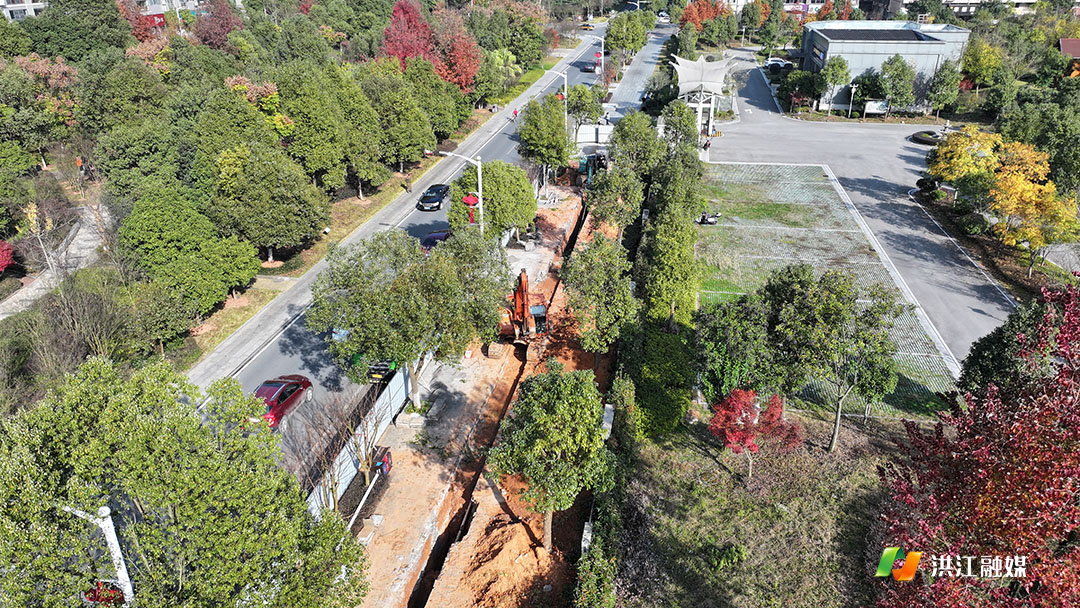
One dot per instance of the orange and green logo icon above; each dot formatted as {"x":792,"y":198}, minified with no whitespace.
{"x":889,"y":555}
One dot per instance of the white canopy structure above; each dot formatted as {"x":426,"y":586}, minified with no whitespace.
{"x":701,"y":83}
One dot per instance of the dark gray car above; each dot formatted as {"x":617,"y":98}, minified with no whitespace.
{"x":433,"y":198}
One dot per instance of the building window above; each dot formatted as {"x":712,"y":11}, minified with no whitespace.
{"x":18,"y":15}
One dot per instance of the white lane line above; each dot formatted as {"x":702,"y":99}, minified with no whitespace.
{"x":1004,"y":294}
{"x":928,"y":325}
{"x":786,"y":228}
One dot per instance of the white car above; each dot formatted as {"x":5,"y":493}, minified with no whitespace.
{"x":781,"y":63}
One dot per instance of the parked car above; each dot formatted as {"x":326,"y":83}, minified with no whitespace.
{"x":776,"y":64}
{"x":589,"y":68}
{"x":282,"y":394}
{"x":432,"y":239}
{"x":588,"y":27}
{"x":433,"y":198}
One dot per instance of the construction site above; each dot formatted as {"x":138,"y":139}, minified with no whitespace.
{"x":440,"y":530}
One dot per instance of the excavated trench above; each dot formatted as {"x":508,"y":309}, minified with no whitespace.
{"x":465,"y":483}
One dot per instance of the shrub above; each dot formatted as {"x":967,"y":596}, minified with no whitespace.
{"x":9,"y":286}
{"x":938,"y":195}
{"x":927,"y":184}
{"x":856,"y":115}
{"x":721,"y":557}
{"x":663,"y":391}
{"x":973,"y":223}
{"x":596,"y":578}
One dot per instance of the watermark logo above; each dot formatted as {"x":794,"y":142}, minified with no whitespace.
{"x":952,"y":566}
{"x":889,"y":555}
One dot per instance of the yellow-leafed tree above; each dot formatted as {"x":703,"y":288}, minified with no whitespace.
{"x":1030,"y":210}
{"x":963,"y":153}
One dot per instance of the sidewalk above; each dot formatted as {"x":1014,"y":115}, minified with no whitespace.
{"x":627,"y":95}
{"x":80,"y":251}
{"x":431,"y":460}
{"x":235,"y":351}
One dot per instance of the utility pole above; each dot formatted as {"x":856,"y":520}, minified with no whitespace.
{"x":105,"y":522}
{"x":566,"y":104}
{"x":479,"y":181}
{"x":743,"y":29}
{"x":852,"y":101}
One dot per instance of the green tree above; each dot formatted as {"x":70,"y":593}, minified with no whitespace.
{"x":750,"y":17}
{"x":72,"y":29}
{"x":825,"y":330}
{"x":14,"y":41}
{"x":364,"y":140}
{"x":265,"y":198}
{"x":583,"y":104}
{"x":128,"y":91}
{"x":898,"y":80}
{"x":175,"y":244}
{"x":320,"y":134}
{"x":398,"y":304}
{"x":615,"y":196}
{"x":626,"y":32}
{"x":635,"y":144}
{"x":204,"y":511}
{"x":680,"y":126}
{"x":407,"y":129}
{"x":543,"y":136}
{"x":687,"y":42}
{"x":225,"y":120}
{"x":136,"y":154}
{"x":527,"y":42}
{"x":981,"y":60}
{"x":1001,"y":99}
{"x":1003,"y":358}
{"x":733,"y":347}
{"x":944,"y":86}
{"x":441,"y":101}
{"x":598,"y":285}
{"x":671,"y":278}
{"x":159,"y":314}
{"x":836,"y":74}
{"x":554,"y":440}
{"x":509,"y":202}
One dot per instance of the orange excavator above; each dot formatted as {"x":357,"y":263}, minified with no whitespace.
{"x":526,"y":314}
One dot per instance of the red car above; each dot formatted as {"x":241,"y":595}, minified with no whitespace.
{"x":282,"y":394}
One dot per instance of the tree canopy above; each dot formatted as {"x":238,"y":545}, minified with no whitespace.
{"x":202,"y":511}
{"x":598,"y":284}
{"x":553,"y":439}
{"x":509,"y":202}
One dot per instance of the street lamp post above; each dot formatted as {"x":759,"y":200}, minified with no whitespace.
{"x":566,"y":102}
{"x":479,"y":182}
{"x":601,"y":54}
{"x":104,"y":521}
{"x":851,"y":102}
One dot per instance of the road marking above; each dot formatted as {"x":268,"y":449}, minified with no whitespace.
{"x":928,"y":325}
{"x":1008,"y":298}
{"x":786,"y":228}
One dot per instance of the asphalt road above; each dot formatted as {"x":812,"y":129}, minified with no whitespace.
{"x":299,"y":351}
{"x":876,"y":164}
{"x":503,"y":146}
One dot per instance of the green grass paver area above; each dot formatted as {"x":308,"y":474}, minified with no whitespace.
{"x":775,"y":215}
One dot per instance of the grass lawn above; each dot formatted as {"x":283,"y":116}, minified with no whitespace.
{"x":526,"y":81}
{"x":775,"y":215}
{"x":802,"y":521}
{"x":550,"y":61}
{"x":218,"y":326}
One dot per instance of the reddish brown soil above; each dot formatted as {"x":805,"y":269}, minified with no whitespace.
{"x":502,"y":562}
{"x":237,"y":302}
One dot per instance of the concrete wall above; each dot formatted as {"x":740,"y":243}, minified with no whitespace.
{"x":348,"y":462}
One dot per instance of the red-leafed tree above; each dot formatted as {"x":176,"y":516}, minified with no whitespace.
{"x":825,"y":10}
{"x":999,"y":477}
{"x":460,"y":61}
{"x":213,"y":28}
{"x":408,"y":35}
{"x":740,"y":423}
{"x":140,"y":29}
{"x":7,"y":255}
{"x":700,"y":11}
{"x":846,"y":10}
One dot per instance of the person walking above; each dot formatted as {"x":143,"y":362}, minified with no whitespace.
{"x":408,"y":183}
{"x":515,"y":114}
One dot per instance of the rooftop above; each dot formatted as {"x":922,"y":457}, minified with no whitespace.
{"x":1071,"y":47}
{"x":887,"y":35}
